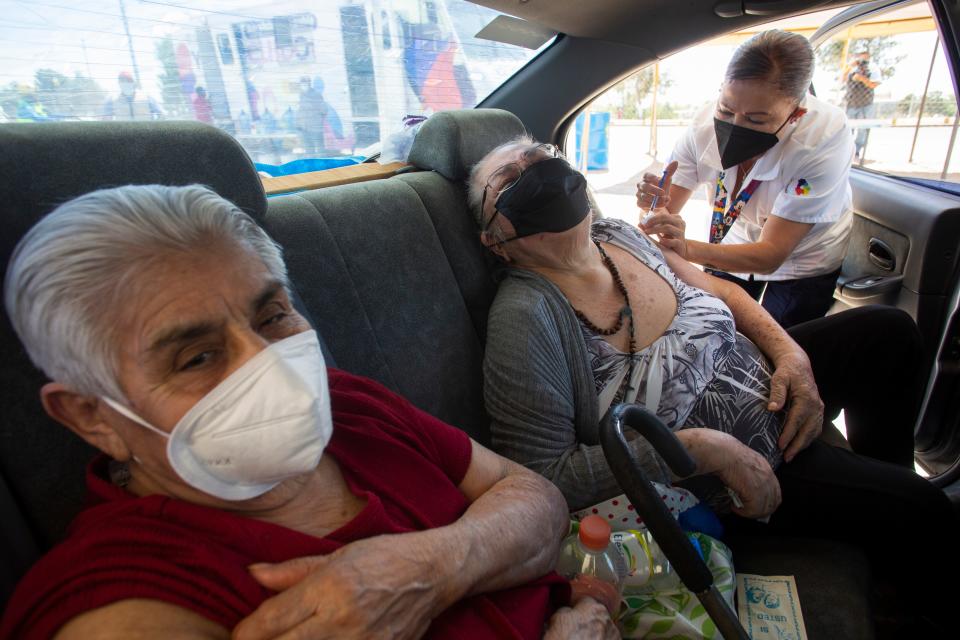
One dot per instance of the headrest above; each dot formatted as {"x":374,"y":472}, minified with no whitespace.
{"x":451,"y":142}
{"x":43,"y":165}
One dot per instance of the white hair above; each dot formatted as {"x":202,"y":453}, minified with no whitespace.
{"x":475,"y":187}
{"x":68,"y":276}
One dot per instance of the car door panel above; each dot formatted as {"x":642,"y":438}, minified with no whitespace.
{"x":903,"y":251}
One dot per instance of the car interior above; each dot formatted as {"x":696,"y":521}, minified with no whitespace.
{"x":390,"y":272}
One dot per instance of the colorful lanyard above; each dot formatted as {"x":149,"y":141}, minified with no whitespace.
{"x":724,"y":218}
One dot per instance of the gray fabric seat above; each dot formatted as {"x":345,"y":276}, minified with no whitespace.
{"x":380,"y":289}
{"x":392,"y":273}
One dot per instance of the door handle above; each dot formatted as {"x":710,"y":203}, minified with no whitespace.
{"x":868,"y":286}
{"x":881,"y":255}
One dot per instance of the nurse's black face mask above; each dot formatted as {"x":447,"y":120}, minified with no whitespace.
{"x":737,"y":143}
{"x":549,"y":196}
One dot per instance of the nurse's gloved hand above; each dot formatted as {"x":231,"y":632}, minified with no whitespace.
{"x":670,"y":229}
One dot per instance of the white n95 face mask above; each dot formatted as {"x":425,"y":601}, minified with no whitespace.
{"x":267,"y":421}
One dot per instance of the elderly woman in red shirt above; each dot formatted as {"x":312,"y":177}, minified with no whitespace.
{"x":243,"y":486}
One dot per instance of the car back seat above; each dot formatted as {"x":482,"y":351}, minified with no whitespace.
{"x":393,"y":274}
{"x":390,"y":273}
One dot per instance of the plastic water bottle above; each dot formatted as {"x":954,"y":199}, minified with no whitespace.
{"x":592,"y":564}
{"x":648,"y":570}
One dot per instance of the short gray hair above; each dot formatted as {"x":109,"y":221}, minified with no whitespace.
{"x":474,"y":189}
{"x":68,"y":274}
{"x":782,"y":58}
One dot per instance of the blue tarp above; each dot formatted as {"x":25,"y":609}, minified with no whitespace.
{"x":597,"y":158}
{"x":305,"y":165}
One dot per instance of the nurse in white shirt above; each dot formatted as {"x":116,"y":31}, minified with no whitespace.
{"x":775,"y":162}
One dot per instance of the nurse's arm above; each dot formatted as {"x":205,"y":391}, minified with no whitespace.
{"x":778,"y":239}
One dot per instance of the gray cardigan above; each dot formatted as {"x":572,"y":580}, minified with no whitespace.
{"x":541,"y":396}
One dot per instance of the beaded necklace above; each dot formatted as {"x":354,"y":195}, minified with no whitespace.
{"x":625,"y":312}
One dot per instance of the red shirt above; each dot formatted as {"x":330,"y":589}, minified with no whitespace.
{"x":407,"y":465}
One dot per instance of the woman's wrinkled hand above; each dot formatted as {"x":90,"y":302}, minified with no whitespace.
{"x":794,"y":387}
{"x":586,"y":620}
{"x":584,"y":586}
{"x":750,"y":476}
{"x":740,"y":468}
{"x":372,"y":588}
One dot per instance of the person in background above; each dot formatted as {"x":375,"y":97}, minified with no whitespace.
{"x":312,"y":116}
{"x":127,"y":105}
{"x":244,"y":124}
{"x":253,"y":96}
{"x":202,"y":110}
{"x":269,"y":122}
{"x":775,"y":162}
{"x":289,"y":120}
{"x":859,"y":83}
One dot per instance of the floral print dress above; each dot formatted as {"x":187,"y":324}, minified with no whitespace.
{"x":699,"y":373}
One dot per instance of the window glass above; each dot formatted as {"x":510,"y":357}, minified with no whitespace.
{"x":321,"y":82}
{"x":889,"y":73}
{"x":636,"y":123}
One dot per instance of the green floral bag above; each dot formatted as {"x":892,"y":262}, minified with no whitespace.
{"x":678,"y":615}
{"x":675,"y":614}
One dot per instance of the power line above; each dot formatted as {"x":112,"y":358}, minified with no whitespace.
{"x":369,"y":31}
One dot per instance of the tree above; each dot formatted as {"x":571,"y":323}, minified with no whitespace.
{"x":937,"y":104}
{"x":64,"y":97}
{"x":907,"y":105}
{"x":174,"y":102}
{"x":882,"y":50}
{"x":637,"y":87}
{"x":48,"y":85}
{"x":9,"y":97}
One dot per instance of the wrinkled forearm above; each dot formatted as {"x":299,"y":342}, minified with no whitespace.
{"x":754,"y":322}
{"x":507,"y":537}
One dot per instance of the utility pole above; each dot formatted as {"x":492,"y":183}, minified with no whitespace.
{"x":653,"y":111}
{"x":83,"y":43}
{"x":126,"y":27}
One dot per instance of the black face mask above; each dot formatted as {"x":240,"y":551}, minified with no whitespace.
{"x":550,"y":196}
{"x":737,"y":143}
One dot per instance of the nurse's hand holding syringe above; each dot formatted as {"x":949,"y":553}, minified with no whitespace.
{"x":653,"y":196}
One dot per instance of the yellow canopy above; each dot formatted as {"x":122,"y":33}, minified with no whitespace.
{"x":911,"y":19}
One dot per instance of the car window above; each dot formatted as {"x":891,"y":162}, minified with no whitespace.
{"x":889,"y":73}
{"x":635,"y":124}
{"x":315,"y":84}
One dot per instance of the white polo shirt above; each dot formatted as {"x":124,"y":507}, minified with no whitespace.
{"x":803,"y":178}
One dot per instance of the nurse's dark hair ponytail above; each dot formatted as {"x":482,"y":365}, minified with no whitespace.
{"x":779,"y":57}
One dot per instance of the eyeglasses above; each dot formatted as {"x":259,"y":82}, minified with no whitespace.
{"x":509,"y":174}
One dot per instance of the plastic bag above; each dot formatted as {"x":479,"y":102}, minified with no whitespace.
{"x":396,"y":146}
{"x":678,"y":613}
